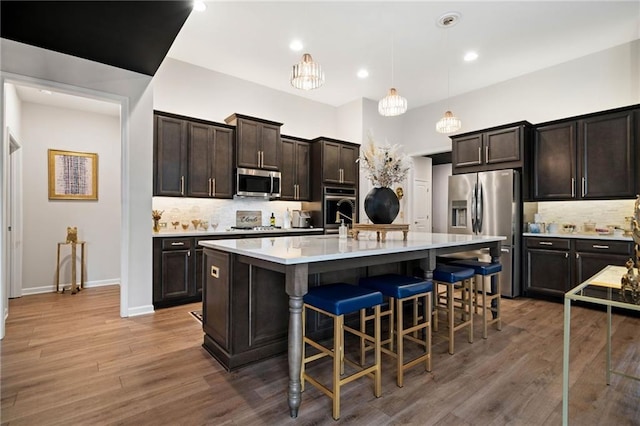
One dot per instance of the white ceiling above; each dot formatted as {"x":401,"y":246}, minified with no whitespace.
{"x":250,"y":40}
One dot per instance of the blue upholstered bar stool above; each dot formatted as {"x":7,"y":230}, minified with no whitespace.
{"x":452,"y":277}
{"x":400,"y":289}
{"x":336,"y":300}
{"x":484,"y":272}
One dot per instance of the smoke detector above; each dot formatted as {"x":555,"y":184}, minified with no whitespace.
{"x":449,"y":19}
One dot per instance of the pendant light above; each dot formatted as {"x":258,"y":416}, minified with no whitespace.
{"x":393,"y":104}
{"x":307,"y":74}
{"x":449,"y":123}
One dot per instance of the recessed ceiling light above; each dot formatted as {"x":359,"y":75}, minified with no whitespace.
{"x":470,"y":56}
{"x":296,"y":45}
{"x":45,"y":91}
{"x":199,"y":6}
{"x":362,"y":73}
{"x":449,"y":19}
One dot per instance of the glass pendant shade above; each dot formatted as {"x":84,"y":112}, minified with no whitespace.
{"x":392,"y":104}
{"x":306,"y":74}
{"x":449,"y":123}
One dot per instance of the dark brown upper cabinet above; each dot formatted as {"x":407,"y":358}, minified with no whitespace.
{"x":170,"y":156}
{"x":192,"y":158}
{"x":295,"y":169}
{"x":210,"y":166}
{"x":491,"y":149}
{"x":258,"y":144}
{"x":337,"y":161}
{"x":588,"y":157}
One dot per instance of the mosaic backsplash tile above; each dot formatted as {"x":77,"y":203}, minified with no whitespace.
{"x":602,"y":212}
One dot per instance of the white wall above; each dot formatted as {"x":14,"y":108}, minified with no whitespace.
{"x":596,"y":82}
{"x":185,"y":89}
{"x":98,"y":222}
{"x":134,"y":92}
{"x":440,"y":186}
{"x":13,"y":108}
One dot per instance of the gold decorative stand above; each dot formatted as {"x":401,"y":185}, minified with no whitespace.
{"x":74,"y":288}
{"x":380,"y":230}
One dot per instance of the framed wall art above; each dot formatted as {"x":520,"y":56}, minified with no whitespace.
{"x":73,"y":175}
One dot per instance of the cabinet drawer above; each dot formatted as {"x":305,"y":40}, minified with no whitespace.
{"x":176,"y":244}
{"x":604,"y":246}
{"x":549,"y":243}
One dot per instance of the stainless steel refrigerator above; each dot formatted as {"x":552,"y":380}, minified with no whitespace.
{"x":490,"y":203}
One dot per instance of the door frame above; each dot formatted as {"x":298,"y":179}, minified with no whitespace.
{"x":123,"y":101}
{"x":14,"y":210}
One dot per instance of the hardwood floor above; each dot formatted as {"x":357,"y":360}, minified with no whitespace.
{"x":71,"y":360}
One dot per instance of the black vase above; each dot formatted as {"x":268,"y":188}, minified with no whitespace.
{"x":381,"y":205}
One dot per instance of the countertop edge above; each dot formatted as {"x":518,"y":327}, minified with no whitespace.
{"x":577,"y":236}
{"x":178,"y":234}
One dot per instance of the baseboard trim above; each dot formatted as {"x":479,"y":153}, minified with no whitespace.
{"x":140,"y":310}
{"x":52,"y":288}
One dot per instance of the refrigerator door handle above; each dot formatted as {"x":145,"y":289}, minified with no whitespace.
{"x":480,"y":210}
{"x":473,"y":208}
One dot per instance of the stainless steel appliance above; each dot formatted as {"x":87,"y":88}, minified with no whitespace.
{"x":257,"y":183}
{"x":489,"y":203}
{"x":339,"y":203}
{"x":300,"y":219}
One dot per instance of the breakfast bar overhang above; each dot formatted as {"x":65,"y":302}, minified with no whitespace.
{"x":298,"y":257}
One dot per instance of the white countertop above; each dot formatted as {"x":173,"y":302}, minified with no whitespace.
{"x":590,"y":236}
{"x":319,"y":248}
{"x":224,"y":232}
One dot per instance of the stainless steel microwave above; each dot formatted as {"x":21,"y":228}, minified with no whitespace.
{"x":257,"y":183}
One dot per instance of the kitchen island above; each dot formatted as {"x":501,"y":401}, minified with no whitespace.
{"x":250,"y":271}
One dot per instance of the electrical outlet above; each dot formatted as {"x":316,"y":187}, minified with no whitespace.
{"x":163,"y":224}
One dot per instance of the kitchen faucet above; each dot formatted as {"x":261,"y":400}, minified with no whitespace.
{"x":353,"y":211}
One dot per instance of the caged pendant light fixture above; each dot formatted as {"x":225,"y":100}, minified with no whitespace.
{"x":307,"y":74}
{"x":393,"y":104}
{"x":449,"y":123}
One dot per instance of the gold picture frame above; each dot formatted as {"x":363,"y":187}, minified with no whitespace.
{"x":73,"y":175}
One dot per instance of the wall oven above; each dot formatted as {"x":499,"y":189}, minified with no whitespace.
{"x":339,"y":203}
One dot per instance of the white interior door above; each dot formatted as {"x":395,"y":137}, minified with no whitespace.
{"x":421,"y":205}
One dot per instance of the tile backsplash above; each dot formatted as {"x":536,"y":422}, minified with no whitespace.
{"x":222,"y":211}
{"x":602,"y":212}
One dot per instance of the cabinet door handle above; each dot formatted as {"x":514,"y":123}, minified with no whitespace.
{"x":479,"y":154}
{"x":577,"y":255}
{"x":215,"y":271}
{"x":584,"y":186}
{"x":181,"y":185}
{"x":566,"y":255}
{"x":209,"y":189}
{"x":258,"y":158}
{"x":213,"y":187}
{"x":573,"y":187}
{"x":545,"y":243}
{"x":486,"y":154}
{"x":177,"y":244}
{"x":188,"y":254}
{"x":261,"y":158}
{"x":597,"y":246}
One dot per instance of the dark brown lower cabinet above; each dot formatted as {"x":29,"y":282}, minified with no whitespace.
{"x":246,"y":307}
{"x":178,"y":274}
{"x":555,"y":265}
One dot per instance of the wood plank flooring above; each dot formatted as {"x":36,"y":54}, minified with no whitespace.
{"x":71,"y":360}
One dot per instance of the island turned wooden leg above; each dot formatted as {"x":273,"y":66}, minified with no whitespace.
{"x":297,"y":283}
